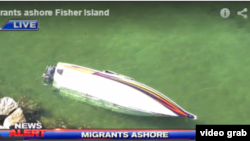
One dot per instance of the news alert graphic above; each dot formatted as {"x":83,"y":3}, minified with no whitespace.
{"x":20,"y":130}
{"x":225,"y":132}
{"x":30,"y":131}
{"x":21,"y":25}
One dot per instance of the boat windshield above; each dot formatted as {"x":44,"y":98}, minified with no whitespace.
{"x":107,"y":71}
{"x":111,"y":72}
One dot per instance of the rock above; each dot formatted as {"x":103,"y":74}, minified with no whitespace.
{"x":16,"y":116}
{"x":84,"y":127}
{"x":48,"y":123}
{"x":60,"y":123}
{"x":52,"y":123}
{"x":2,"y":127}
{"x":31,"y":120}
{"x":88,"y":126}
{"x":28,"y":105}
{"x":7,"y":105}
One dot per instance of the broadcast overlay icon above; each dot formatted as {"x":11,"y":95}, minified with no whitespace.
{"x":21,"y":25}
{"x":243,"y":11}
{"x":225,"y":13}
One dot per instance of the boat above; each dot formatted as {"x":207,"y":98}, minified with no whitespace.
{"x":112,"y":91}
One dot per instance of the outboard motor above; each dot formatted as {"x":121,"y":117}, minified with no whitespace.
{"x":50,"y":70}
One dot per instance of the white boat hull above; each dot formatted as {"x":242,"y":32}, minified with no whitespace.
{"x":114,"y":92}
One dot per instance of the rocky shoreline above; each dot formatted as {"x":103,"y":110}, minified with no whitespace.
{"x":27,"y":110}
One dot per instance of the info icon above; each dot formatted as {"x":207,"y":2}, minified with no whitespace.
{"x":225,"y":13}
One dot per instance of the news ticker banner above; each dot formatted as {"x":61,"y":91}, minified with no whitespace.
{"x":225,"y":132}
{"x":21,"y":25}
{"x":132,"y":134}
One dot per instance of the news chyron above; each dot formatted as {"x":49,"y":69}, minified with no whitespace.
{"x":23,"y":125}
{"x":21,"y":25}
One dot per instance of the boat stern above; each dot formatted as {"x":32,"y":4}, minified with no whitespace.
{"x":48,"y":76}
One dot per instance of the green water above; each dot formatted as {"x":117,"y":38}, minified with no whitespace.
{"x":184,"y":50}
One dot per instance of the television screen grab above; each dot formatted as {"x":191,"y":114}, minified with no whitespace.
{"x":124,"y":70}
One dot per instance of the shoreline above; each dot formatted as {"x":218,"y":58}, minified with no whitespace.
{"x":28,"y":111}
